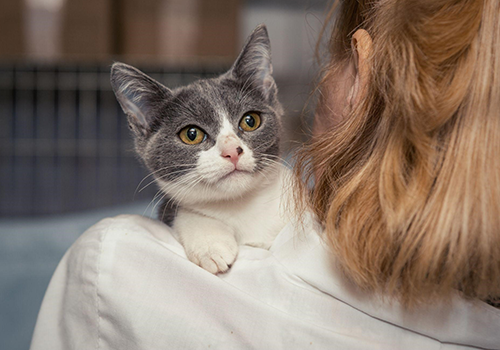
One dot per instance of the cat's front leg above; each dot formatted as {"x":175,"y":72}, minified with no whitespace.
{"x":208,"y":242}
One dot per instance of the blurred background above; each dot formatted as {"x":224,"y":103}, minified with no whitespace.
{"x":66,"y":157}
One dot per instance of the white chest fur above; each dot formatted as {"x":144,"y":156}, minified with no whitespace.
{"x":256,"y":217}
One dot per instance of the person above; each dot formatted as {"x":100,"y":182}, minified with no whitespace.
{"x":407,"y":178}
{"x":398,"y":246}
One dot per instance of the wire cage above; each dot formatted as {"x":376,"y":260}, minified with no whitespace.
{"x":64,"y":142}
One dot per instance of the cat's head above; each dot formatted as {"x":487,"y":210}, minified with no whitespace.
{"x":213,"y":139}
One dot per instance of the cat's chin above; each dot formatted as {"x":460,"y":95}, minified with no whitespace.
{"x":233,"y":185}
{"x":234,"y":175}
{"x":239,"y":182}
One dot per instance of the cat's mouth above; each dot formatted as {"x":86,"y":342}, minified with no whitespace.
{"x":234,"y":174}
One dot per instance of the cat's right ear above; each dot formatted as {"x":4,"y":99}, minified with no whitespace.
{"x":253,"y":66}
{"x":138,"y":95}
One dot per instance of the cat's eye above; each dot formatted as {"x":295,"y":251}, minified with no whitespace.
{"x":192,"y":135}
{"x":250,"y":121}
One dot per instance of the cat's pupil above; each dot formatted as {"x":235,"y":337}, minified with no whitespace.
{"x":250,"y":121}
{"x":191,"y":134}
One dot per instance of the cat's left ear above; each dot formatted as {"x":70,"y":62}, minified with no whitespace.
{"x":253,"y":66}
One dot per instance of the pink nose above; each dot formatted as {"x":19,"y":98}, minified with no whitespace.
{"x":232,"y":154}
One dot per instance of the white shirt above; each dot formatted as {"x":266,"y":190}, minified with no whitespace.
{"x":126,"y":284}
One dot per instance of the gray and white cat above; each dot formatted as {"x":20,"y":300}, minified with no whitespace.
{"x":213,"y":147}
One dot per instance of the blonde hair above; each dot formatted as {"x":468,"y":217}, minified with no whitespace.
{"x":407,"y":186}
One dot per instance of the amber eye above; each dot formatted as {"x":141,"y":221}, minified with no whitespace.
{"x":192,"y":135}
{"x":250,"y":121}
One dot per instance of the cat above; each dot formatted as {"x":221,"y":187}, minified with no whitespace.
{"x":213,"y":147}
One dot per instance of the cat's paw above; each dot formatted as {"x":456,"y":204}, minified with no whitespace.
{"x":214,"y":254}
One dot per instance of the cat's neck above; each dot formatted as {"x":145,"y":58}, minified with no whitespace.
{"x":256,"y":216}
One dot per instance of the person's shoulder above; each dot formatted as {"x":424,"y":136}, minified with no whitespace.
{"x":126,"y":221}
{"x":113,"y":258}
{"x":111,"y":228}
{"x":124,"y":231}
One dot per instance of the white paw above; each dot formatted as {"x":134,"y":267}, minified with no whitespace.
{"x":214,"y":253}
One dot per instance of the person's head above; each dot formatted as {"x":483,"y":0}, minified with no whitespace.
{"x":405,"y":154}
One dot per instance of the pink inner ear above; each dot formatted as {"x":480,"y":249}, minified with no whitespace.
{"x":268,"y":84}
